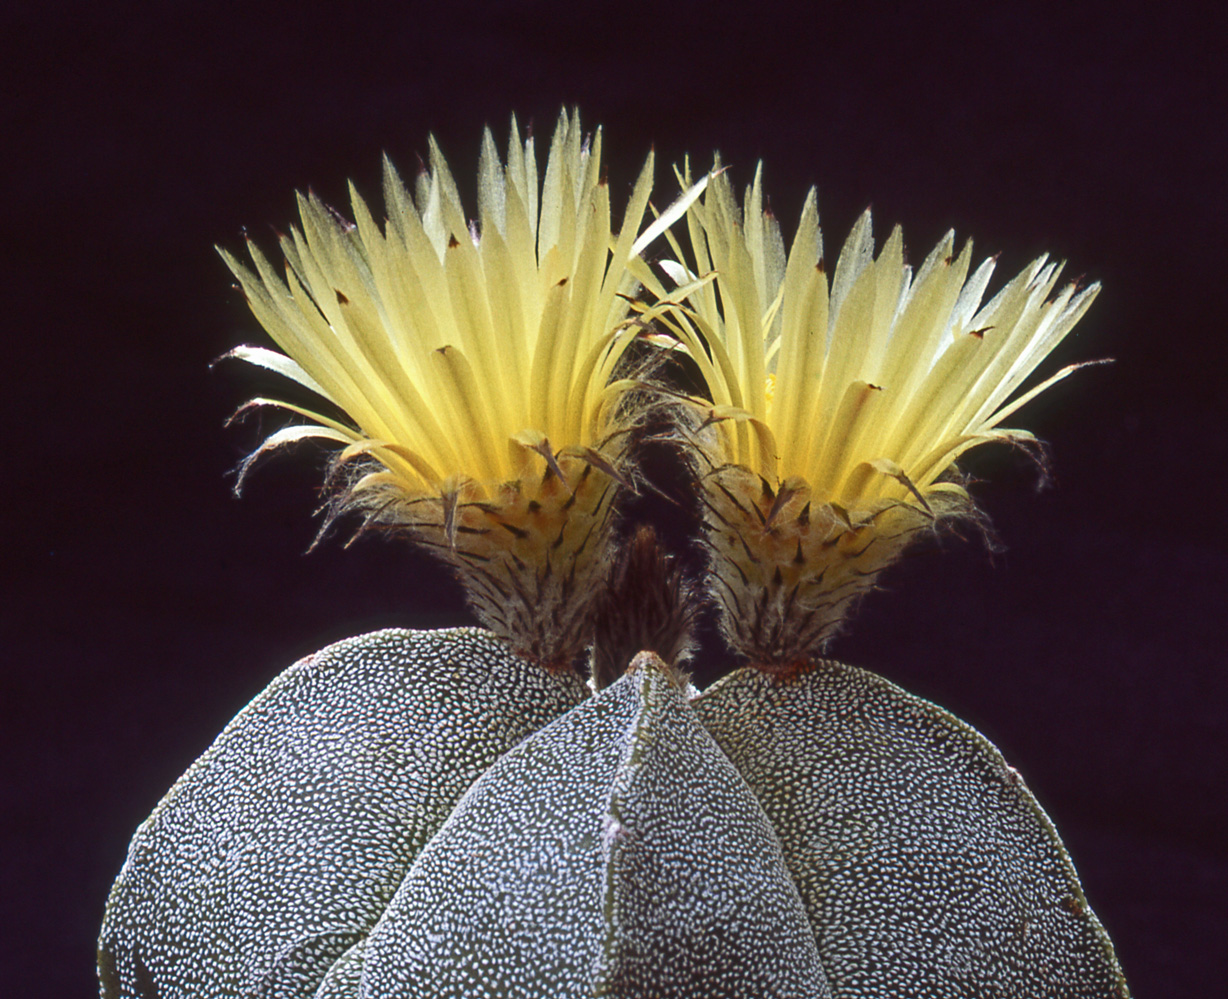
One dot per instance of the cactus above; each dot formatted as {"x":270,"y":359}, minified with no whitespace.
{"x":457,"y":812}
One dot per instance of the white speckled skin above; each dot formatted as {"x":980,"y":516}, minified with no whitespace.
{"x":285,"y":841}
{"x":699,"y":901}
{"x":506,"y":900}
{"x":421,"y":814}
{"x":615,"y":853}
{"x":926,"y":866}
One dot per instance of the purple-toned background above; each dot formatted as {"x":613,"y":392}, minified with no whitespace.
{"x":143,"y":605}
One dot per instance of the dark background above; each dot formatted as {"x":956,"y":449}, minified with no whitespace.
{"x":143,"y":605}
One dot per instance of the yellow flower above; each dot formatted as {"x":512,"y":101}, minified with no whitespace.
{"x":836,"y":412}
{"x":470,"y":369}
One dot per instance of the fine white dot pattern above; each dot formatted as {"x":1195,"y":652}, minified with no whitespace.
{"x":925,"y":864}
{"x":282,"y":845}
{"x":616,"y":853}
{"x":506,"y":900}
{"x":422,"y":814}
{"x":698,"y":896}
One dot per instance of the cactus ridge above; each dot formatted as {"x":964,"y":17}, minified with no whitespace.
{"x":926,"y":865}
{"x":283,"y":844}
{"x":423,"y":814}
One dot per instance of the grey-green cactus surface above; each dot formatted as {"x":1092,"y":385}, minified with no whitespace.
{"x":414,"y":814}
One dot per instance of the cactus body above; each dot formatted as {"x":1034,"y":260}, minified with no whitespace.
{"x":424,"y":814}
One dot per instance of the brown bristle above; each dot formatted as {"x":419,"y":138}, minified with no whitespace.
{"x":785,"y":587}
{"x":646,"y":606}
{"x":532,"y":560}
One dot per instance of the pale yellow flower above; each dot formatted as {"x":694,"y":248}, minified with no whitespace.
{"x":837,"y":408}
{"x":470,"y":368}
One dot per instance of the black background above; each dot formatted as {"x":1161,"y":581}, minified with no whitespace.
{"x":143,"y":605}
